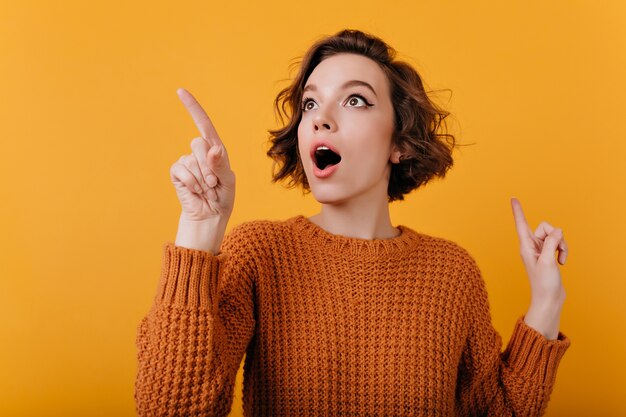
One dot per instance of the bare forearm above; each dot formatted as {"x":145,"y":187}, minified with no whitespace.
{"x":205,"y":235}
{"x":545,"y":319}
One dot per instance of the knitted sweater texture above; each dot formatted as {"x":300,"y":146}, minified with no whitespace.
{"x":334,"y":325}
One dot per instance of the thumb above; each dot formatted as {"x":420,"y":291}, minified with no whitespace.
{"x":550,"y":244}
{"x":216,"y":159}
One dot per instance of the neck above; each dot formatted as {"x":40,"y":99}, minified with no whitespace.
{"x":356,"y":219}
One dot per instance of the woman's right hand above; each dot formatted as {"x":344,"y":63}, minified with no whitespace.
{"x":204,"y":182}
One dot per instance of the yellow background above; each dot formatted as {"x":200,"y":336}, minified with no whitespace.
{"x":90,"y":124}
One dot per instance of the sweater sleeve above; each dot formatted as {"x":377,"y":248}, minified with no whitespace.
{"x":516,"y":382}
{"x":191,"y":342}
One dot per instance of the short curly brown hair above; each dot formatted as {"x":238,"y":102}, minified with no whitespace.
{"x":418,"y":121}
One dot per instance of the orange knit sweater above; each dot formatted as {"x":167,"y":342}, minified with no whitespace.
{"x":334,"y":325}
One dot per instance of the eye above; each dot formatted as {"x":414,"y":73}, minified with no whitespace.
{"x":305,"y":104}
{"x":353,"y":100}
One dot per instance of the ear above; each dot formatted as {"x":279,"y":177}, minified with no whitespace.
{"x":395,"y":156}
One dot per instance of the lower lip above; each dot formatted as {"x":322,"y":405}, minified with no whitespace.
{"x":326,"y":172}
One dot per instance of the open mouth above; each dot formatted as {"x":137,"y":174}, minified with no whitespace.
{"x":324,"y":157}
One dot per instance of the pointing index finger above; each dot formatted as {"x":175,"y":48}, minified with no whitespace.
{"x":521,"y":224}
{"x":199,"y":116}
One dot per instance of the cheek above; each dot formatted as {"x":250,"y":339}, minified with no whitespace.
{"x":299,"y":132}
{"x":302,"y":129}
{"x":374,"y":135}
{"x":302,"y":144}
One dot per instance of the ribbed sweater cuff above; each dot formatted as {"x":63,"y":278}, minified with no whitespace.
{"x":529,"y":353}
{"x":189,"y":277}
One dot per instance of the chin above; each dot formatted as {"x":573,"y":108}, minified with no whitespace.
{"x":329,"y":196}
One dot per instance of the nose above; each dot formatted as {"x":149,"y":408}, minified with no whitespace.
{"x":323,"y":122}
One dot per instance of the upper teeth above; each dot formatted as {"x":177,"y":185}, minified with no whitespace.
{"x":322,"y":147}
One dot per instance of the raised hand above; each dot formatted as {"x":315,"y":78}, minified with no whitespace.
{"x":538,"y":255}
{"x":204,"y":182}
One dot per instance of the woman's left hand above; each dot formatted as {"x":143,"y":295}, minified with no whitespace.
{"x":537,"y":251}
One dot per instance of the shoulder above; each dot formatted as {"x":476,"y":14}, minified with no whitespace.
{"x":452,"y":257}
{"x":258,"y":228}
{"x":462,"y":266}
{"x":446,"y":250}
{"x":253,"y":234}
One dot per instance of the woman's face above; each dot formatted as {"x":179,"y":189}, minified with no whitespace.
{"x":347,"y":108}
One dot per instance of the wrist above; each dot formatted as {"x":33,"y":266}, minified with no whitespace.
{"x":205,"y":235}
{"x":545,"y":319}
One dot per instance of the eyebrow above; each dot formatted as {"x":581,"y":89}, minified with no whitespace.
{"x":345,"y":85}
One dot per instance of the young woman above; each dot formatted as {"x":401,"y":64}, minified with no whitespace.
{"x":340,"y":313}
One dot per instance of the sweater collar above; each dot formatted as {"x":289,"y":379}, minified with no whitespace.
{"x":401,"y":244}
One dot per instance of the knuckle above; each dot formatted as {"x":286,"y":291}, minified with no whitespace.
{"x":198,"y":145}
{"x":181,"y":173}
{"x":177,"y":167}
{"x":196,"y":141}
{"x":188,"y":161}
